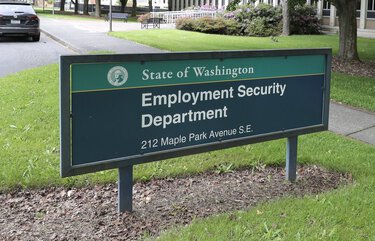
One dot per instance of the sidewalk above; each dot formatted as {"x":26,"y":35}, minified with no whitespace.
{"x":363,"y":33}
{"x":352,"y":122}
{"x":84,"y":36}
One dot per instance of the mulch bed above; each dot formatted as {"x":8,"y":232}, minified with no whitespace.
{"x":91,"y":213}
{"x":366,"y":69}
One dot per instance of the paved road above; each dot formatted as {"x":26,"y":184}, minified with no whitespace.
{"x":18,"y":54}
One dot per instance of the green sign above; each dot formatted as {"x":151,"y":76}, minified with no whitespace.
{"x":141,"y":74}
{"x":126,"y":109}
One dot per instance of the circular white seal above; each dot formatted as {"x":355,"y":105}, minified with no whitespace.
{"x":117,"y":76}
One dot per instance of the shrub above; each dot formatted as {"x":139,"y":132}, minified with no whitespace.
{"x":210,"y":25}
{"x":259,"y":27}
{"x":232,"y":27}
{"x":218,"y":25}
{"x":185,"y":24}
{"x":303,"y":20}
{"x":143,"y":17}
{"x":233,"y":5}
{"x":293,"y":3}
{"x":262,"y":20}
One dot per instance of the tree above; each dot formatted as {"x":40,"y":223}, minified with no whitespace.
{"x":123,"y":5}
{"x":97,"y":8}
{"x":62,"y":5}
{"x":286,"y":19}
{"x":75,"y":3}
{"x":346,"y":11}
{"x":170,"y":5}
{"x":86,"y":7}
{"x":134,"y":8}
{"x":150,"y":8}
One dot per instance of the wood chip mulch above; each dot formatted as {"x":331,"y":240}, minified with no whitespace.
{"x":364,"y":68}
{"x":91,"y":213}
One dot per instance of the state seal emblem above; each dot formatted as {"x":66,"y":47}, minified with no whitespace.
{"x":117,"y":76}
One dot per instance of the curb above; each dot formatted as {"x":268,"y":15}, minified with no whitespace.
{"x":62,"y":42}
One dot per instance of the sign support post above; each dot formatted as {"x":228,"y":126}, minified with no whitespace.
{"x":291,"y":158}
{"x":125,"y":189}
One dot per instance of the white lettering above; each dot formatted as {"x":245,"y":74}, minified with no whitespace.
{"x":275,"y":88}
{"x":147,"y":74}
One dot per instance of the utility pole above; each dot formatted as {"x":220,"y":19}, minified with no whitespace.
{"x":110,"y":16}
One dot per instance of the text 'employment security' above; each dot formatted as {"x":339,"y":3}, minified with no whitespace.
{"x":150,"y":100}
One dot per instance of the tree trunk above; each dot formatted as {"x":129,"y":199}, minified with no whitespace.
{"x":150,"y":5}
{"x":97,"y":8}
{"x":76,"y":6}
{"x":346,"y":11}
{"x":86,"y":7}
{"x":286,"y":20}
{"x":134,"y":8}
{"x":123,"y":5}
{"x":170,"y":5}
{"x":62,"y":5}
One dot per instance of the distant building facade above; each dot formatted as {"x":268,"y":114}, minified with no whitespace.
{"x":326,"y":11}
{"x":365,"y":14}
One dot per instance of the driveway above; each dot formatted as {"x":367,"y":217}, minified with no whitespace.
{"x":19,"y":54}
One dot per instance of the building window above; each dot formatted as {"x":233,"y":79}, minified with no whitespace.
{"x":371,"y":9}
{"x":326,"y":8}
{"x":326,"y":5}
{"x":371,"y":6}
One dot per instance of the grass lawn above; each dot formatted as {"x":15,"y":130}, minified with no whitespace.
{"x":177,"y":40}
{"x":353,"y":90}
{"x":29,"y":157}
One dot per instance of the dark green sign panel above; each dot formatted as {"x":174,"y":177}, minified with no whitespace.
{"x":127,"y":109}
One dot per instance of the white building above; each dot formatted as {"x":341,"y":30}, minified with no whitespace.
{"x":326,"y":11}
{"x":365,"y":14}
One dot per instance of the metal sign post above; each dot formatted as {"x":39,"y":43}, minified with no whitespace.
{"x":125,"y":189}
{"x":291,"y":158}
